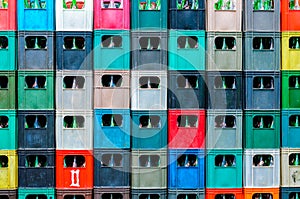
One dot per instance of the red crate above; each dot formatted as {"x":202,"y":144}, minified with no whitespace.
{"x":112,"y":18}
{"x":212,"y":193}
{"x":8,"y":16}
{"x":249,"y":192}
{"x":74,"y":177}
{"x":186,"y":137}
{"x":87,"y":194}
{"x":289,"y":18}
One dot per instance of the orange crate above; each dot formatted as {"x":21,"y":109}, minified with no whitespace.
{"x":212,"y":193}
{"x":249,"y":193}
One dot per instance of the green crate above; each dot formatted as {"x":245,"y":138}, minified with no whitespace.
{"x":183,"y":56}
{"x":8,"y":55}
{"x":24,"y":192}
{"x":9,"y":138}
{"x":40,"y":98}
{"x":8,"y":92}
{"x":291,"y":91}
{"x":266,"y":136}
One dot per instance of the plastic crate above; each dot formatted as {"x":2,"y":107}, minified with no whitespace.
{"x":8,"y":51}
{"x":189,"y":194}
{"x":112,"y":128}
{"x":224,"y":90}
{"x":73,"y":193}
{"x":224,"y":129}
{"x":111,"y":168}
{"x":112,"y":89}
{"x":224,"y":193}
{"x":111,"y":49}
{"x":74,"y":50}
{"x":36,"y":16}
{"x":188,"y":17}
{"x":152,"y":193}
{"x":186,"y":90}
{"x":261,"y":18}
{"x":36,"y":129}
{"x":289,"y":192}
{"x":71,"y":17}
{"x":261,"y":129}
{"x":220,"y":18}
{"x":290,"y":50}
{"x":291,"y":89}
{"x":112,"y":15}
{"x":74,"y":90}
{"x":289,"y":17}
{"x":264,"y":193}
{"x":114,"y":193}
{"x":261,"y":168}
{"x":9,"y":194}
{"x":290,"y":167}
{"x":9,"y":169}
{"x":35,"y":90}
{"x":149,"y":50}
{"x":186,"y":129}
{"x":145,"y":16}
{"x":149,"y":130}
{"x":147,"y":85}
{"x":290,"y":128}
{"x":262,"y":51}
{"x":74,"y":174}
{"x":149,"y":170}
{"x":47,"y":193}
{"x":36,"y":50}
{"x":222,"y":173}
{"x":186,"y":49}
{"x":262,"y":85}
{"x":36,"y":168}
{"x":8,"y":15}
{"x":224,"y":51}
{"x":186,"y":168}
{"x":74,"y":130}
{"x":8,"y":81}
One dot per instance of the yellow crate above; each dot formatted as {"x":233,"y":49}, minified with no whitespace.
{"x":9,"y":174}
{"x":290,"y":56}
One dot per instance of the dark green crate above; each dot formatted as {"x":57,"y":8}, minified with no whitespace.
{"x":291,"y":92}
{"x":7,"y":90}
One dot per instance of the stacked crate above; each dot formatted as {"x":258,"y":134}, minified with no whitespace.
{"x":111,"y":99}
{"x":225,"y":87}
{"x":36,"y":150}
{"x":74,"y":87}
{"x":290,"y":151}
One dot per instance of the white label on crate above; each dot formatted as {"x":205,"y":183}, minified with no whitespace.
{"x":73,"y":173}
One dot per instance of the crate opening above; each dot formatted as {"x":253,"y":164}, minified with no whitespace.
{"x":225,"y":82}
{"x":225,"y":196}
{"x":149,"y":43}
{"x":112,"y":120}
{"x":189,"y":160}
{"x":152,"y":121}
{"x":73,"y":4}
{"x":225,"y":161}
{"x":225,"y":43}
{"x":4,"y":5}
{"x":3,"y":82}
{"x":263,"y":43}
{"x":263,"y":5}
{"x":36,"y":42}
{"x":294,"y":159}
{"x":187,"y":42}
{"x":3,"y":161}
{"x":187,"y":81}
{"x":74,"y":43}
{"x":149,"y":82}
{"x":294,"y":120}
{"x":263,"y":122}
{"x":263,"y":83}
{"x":294,"y":81}
{"x":294,"y":43}
{"x":74,"y":82}
{"x":187,"y":4}
{"x":225,"y":5}
{"x":36,"y":196}
{"x":294,"y":5}
{"x":74,"y":197}
{"x":73,"y":122}
{"x":149,"y":196}
{"x":35,"y":82}
{"x":3,"y":42}
{"x":4,"y":196}
{"x":74,"y":161}
{"x":112,"y":4}
{"x":262,"y":196}
{"x":35,"y":121}
{"x":36,"y":161}
{"x":187,"y":121}
{"x":111,"y":41}
{"x":187,"y":196}
{"x":112,"y":196}
{"x":111,"y":81}
{"x":225,"y":121}
{"x":263,"y":160}
{"x":3,"y":121}
{"x":149,"y":5}
{"x":112,"y":160}
{"x":294,"y":195}
{"x":35,"y":4}
{"x":149,"y":160}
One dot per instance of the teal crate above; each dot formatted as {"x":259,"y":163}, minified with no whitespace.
{"x":7,"y":90}
{"x":220,"y":176}
{"x":111,"y":50}
{"x":186,"y":50}
{"x":8,"y":49}
{"x":41,"y":97}
{"x":261,"y":129}
{"x":45,"y":193}
{"x":8,"y":130}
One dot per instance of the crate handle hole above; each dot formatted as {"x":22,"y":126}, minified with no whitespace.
{"x":187,"y":4}
{"x":225,"y":82}
{"x":36,"y":82}
{"x":74,"y":82}
{"x":74,"y":122}
{"x":187,"y":82}
{"x":3,"y":82}
{"x":225,"y":121}
{"x":189,"y":160}
{"x":294,"y":82}
{"x":262,"y":196}
{"x":111,"y":81}
{"x":225,"y":196}
{"x":36,"y":196}
{"x":3,"y":161}
{"x":36,"y":161}
{"x":222,"y":5}
{"x":3,"y":121}
{"x":112,"y":196}
{"x":225,"y":43}
{"x":149,"y":160}
{"x":263,"y":43}
{"x":74,"y":161}
{"x":35,"y":4}
{"x":74,"y":43}
{"x":112,"y":120}
{"x":73,"y":4}
{"x":263,"y":122}
{"x":263,"y":160}
{"x":111,"y":41}
{"x":149,"y":82}
{"x":149,"y":196}
{"x":187,"y":121}
{"x":294,"y":120}
{"x":187,"y":42}
{"x":225,"y":161}
{"x":3,"y":42}
{"x":74,"y":197}
{"x":112,"y":160}
{"x":36,"y":42}
{"x":187,"y":196}
{"x":152,"y":121}
{"x":35,"y":121}
{"x":149,"y":43}
{"x":149,"y":5}
{"x":263,"y":83}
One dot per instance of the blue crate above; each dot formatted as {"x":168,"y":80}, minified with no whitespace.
{"x":290,"y":130}
{"x":182,"y":176}
{"x":107,"y":135}
{"x":289,"y":192}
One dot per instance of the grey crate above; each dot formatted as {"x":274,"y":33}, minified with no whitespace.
{"x":74,"y":90}
{"x":109,"y":96}
{"x":224,"y":137}
{"x":227,"y":59}
{"x":196,"y":193}
{"x":261,"y":176}
{"x":261,"y":59}
{"x":290,"y":174}
{"x":148,"y":98}
{"x":74,"y":138}
{"x":153,"y":193}
{"x":261,"y":20}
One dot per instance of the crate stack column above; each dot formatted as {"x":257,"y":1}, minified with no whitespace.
{"x":74,"y":87}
